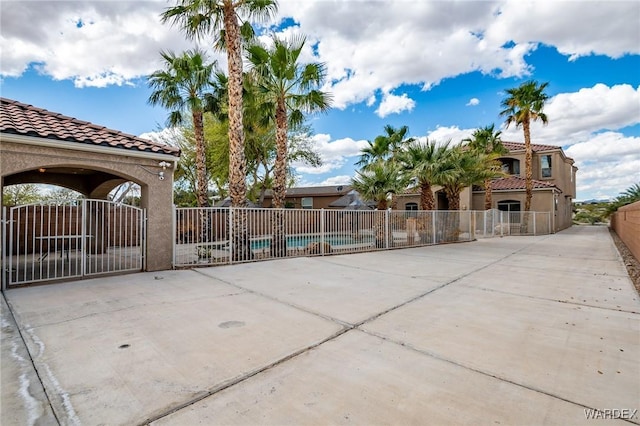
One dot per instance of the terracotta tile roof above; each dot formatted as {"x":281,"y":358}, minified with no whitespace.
{"x":518,"y":183}
{"x":519,"y":146}
{"x":26,"y":120}
{"x":313,"y":190}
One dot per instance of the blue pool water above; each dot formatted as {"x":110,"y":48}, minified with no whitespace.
{"x":304,"y":241}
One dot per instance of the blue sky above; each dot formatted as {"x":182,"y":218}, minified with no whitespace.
{"x":438,"y":67}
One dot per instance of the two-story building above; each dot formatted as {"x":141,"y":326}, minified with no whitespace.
{"x":554,"y":183}
{"x":554,"y":188}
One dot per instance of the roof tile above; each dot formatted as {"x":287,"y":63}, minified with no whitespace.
{"x":519,"y":146}
{"x":27,"y":120}
{"x":517,"y":183}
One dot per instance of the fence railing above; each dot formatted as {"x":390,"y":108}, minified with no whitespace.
{"x":224,"y":235}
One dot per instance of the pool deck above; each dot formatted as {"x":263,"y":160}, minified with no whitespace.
{"x":513,"y":330}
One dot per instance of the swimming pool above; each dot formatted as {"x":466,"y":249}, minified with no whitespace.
{"x":303,"y":241}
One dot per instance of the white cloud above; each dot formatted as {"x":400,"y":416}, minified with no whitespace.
{"x":587,"y":124}
{"x":473,"y":102}
{"x":392,"y":104}
{"x":367,"y":46}
{"x":334,"y":154}
{"x":609,"y":28}
{"x":608,"y":163}
{"x":94,"y":43}
{"x":451,"y":133}
{"x":336,"y":180}
{"x":168,"y":136}
{"x":425,"y":42}
{"x":574,"y":117}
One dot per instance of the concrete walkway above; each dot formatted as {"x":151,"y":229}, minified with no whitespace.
{"x":514,"y":330}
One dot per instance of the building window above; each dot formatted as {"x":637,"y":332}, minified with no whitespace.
{"x":307,"y":202}
{"x":411,"y":206}
{"x":545,"y":165}
{"x":509,"y":206}
{"x":510,"y":166}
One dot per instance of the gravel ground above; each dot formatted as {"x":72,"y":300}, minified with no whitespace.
{"x":632,"y":264}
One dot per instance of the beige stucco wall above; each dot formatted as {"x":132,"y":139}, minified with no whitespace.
{"x":542,"y":201}
{"x":157,"y":195}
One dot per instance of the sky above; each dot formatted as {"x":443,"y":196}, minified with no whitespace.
{"x":439,"y":67}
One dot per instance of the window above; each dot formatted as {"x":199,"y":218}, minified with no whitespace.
{"x":545,"y":166}
{"x":510,"y":166}
{"x":509,"y":206}
{"x":411,"y":206}
{"x":307,"y":202}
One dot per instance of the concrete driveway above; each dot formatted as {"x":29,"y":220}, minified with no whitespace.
{"x":514,"y":330}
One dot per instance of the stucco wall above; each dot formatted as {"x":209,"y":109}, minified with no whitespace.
{"x":157,"y":195}
{"x":626,"y":223}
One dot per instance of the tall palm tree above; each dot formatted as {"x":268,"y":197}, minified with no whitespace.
{"x":378,"y":182}
{"x":486,"y":140}
{"x":180,"y":88}
{"x":523,"y":105}
{"x":222,"y":19}
{"x":420,"y":160}
{"x":289,"y":91}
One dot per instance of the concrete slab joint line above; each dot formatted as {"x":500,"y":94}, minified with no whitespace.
{"x":526,"y":330}
{"x":30,"y":404}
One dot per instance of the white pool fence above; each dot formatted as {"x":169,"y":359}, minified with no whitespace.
{"x":225,"y":235}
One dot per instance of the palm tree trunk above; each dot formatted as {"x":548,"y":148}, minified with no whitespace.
{"x":280,"y":172}
{"x":452,"y":221}
{"x":487,"y":194}
{"x":279,"y":245}
{"x":427,"y":202}
{"x":201,"y":165}
{"x":528,"y":179}
{"x":202,"y":195}
{"x":380,"y":223}
{"x":237,"y":160}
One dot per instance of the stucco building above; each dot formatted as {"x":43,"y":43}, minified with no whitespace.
{"x":554,"y":186}
{"x":41,"y":146}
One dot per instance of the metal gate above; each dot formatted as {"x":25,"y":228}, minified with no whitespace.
{"x":76,"y":238}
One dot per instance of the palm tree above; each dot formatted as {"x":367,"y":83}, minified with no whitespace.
{"x":460,"y":168}
{"x":289,"y":90}
{"x":486,"y":140}
{"x":378,"y":182}
{"x":221,"y":18}
{"x":180,"y":87}
{"x":199,"y":18}
{"x":420,"y":161}
{"x":523,"y":105}
{"x":384,"y":147}
{"x":630,"y":195}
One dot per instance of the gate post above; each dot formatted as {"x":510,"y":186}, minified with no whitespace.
{"x":230,"y":234}
{"x":322,"y":232}
{"x":387,"y":231}
{"x":83,"y":237}
{"x":3,"y":248}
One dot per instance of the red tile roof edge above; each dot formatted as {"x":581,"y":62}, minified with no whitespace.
{"x":519,"y":146}
{"x":516,"y":183}
{"x":27,"y":120}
